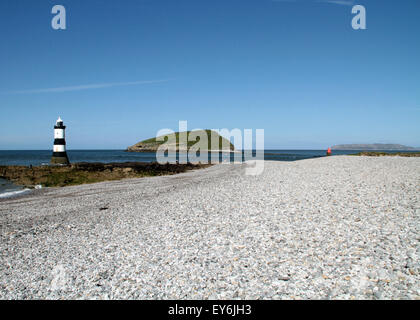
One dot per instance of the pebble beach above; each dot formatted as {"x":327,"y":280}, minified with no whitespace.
{"x":340,"y":227}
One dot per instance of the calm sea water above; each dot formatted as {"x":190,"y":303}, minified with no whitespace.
{"x":39,"y":157}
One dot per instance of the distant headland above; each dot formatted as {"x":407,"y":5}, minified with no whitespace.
{"x":172,"y":142}
{"x":374,"y":146}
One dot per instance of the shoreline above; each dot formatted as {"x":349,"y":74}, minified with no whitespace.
{"x":25,"y":176}
{"x":88,"y":172}
{"x":27,"y":173}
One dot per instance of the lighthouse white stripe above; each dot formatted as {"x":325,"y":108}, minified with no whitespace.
{"x":59,"y":148}
{"x":58,"y":134}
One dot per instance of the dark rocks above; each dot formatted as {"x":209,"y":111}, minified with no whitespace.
{"x":87,"y":172}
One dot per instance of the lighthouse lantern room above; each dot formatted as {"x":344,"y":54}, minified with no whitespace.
{"x":59,"y":156}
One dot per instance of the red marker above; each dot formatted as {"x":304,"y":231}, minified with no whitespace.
{"x":329,"y":152}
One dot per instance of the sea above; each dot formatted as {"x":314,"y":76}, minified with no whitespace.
{"x":42,"y":157}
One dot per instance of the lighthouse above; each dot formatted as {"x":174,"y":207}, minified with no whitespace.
{"x":59,"y":156}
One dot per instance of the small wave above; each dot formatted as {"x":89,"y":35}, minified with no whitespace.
{"x":13,"y":193}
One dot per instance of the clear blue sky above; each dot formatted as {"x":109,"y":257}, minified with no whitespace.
{"x":294,"y":68}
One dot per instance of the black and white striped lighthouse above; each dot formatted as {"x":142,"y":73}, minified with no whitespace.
{"x":59,"y":152}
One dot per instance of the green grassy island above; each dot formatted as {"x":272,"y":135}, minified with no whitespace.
{"x":152,"y":145}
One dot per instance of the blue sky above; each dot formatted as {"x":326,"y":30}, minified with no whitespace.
{"x":122,"y":70}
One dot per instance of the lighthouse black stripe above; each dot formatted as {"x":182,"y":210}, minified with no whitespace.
{"x":59,"y":142}
{"x":60,"y":154}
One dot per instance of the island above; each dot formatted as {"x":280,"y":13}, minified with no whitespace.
{"x":152,"y":144}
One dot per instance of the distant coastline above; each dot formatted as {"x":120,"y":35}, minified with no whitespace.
{"x":374,"y":146}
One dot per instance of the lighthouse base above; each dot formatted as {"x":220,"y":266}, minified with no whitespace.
{"x":60,"y":158}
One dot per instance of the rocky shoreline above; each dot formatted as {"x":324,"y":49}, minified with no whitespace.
{"x":85,"y":172}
